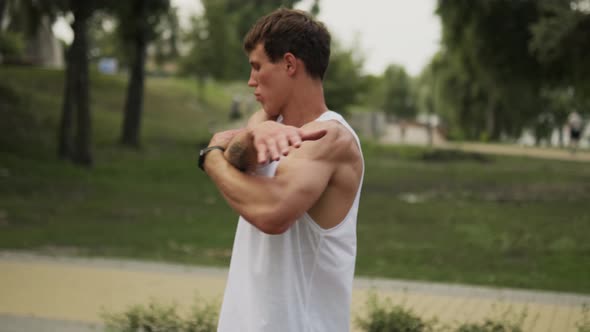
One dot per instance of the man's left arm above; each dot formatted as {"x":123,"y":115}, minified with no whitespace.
{"x":273,"y":204}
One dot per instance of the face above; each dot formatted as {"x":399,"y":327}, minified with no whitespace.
{"x":269,"y":80}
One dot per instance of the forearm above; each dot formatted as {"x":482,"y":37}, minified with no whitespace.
{"x":255,"y":198}
{"x":241,"y":153}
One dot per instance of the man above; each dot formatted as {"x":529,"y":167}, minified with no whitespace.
{"x":294,"y":175}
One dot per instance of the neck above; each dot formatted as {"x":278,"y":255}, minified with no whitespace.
{"x":306,"y":104}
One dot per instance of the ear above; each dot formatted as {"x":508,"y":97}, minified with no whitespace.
{"x":290,"y":63}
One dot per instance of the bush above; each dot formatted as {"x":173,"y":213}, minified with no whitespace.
{"x":11,"y":45}
{"x":158,"y":317}
{"x":508,"y":321}
{"x":489,"y":326}
{"x":387,"y":317}
{"x":584,"y":325}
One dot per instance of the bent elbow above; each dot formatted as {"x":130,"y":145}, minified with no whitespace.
{"x":273,"y":229}
{"x":272,"y":222}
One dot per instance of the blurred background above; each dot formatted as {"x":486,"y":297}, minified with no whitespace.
{"x":473,"y":116}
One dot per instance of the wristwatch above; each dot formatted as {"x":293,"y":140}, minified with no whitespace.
{"x":203,"y":154}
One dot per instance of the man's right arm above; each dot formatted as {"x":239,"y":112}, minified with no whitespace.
{"x":241,"y":152}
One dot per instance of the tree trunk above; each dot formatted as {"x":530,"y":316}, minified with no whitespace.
{"x":134,"y":102}
{"x":490,"y":121}
{"x":64,"y":146}
{"x":76,"y":94}
{"x":2,"y":10}
{"x":82,"y":154}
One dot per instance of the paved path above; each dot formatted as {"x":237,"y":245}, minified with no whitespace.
{"x":391,"y":136}
{"x":43,"y":293}
{"x":517,"y":150}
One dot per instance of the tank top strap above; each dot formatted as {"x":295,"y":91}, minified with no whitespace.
{"x":331,"y":115}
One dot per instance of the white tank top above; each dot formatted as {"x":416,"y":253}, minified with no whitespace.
{"x":298,"y":281}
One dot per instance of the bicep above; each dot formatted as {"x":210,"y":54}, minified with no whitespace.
{"x":304,"y":180}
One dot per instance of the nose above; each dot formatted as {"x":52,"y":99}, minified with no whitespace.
{"x":251,"y":81}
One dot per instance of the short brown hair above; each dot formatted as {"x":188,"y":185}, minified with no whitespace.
{"x":294,"y":31}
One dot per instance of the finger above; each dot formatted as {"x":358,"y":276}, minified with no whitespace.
{"x":283,"y":144}
{"x":273,"y":150}
{"x":261,"y":152}
{"x":295,"y":139}
{"x":312,"y":135}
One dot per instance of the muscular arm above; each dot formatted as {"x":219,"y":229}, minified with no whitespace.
{"x":273,"y":204}
{"x":241,"y":152}
{"x":263,"y":140}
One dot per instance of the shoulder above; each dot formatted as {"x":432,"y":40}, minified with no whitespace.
{"x":338,"y":144}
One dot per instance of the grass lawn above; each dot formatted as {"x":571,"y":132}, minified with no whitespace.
{"x":428,"y":215}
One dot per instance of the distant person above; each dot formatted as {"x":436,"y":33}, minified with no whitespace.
{"x":234,"y":111}
{"x":575,"y":126}
{"x":294,"y":175}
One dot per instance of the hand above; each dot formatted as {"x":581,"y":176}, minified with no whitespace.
{"x":223,"y":138}
{"x":272,"y":139}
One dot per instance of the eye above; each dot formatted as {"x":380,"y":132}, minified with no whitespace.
{"x":255,"y":66}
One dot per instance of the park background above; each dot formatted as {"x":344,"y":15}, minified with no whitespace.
{"x":99,"y":138}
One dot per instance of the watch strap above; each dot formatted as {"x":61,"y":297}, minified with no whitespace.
{"x":203,"y":153}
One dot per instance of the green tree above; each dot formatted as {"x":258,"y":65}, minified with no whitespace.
{"x":399,"y":100}
{"x":20,"y":26}
{"x":3,"y":5}
{"x":519,"y":55}
{"x":166,"y":44}
{"x":104,"y":40}
{"x":344,"y":83}
{"x":138,"y":21}
{"x":25,"y":17}
{"x":215,"y":48}
{"x":216,"y":36}
{"x":489,"y":41}
{"x":560,"y":42}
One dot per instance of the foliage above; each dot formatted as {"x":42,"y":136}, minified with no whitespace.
{"x":161,"y":317}
{"x":215,"y":48}
{"x":343,"y":83}
{"x":104,"y":40}
{"x":166,"y":45}
{"x":507,"y":76}
{"x":25,"y":16}
{"x":560,"y":42}
{"x":111,"y":35}
{"x":11,"y":45}
{"x":399,"y":96}
{"x":508,"y":321}
{"x":488,"y":326}
{"x":215,"y":37}
{"x":386,"y":317}
{"x":500,"y":85}
{"x":139,"y":17}
{"x":584,"y":324}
